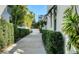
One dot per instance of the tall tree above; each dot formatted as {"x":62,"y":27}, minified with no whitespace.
{"x":28,"y":19}
{"x":17,"y":13}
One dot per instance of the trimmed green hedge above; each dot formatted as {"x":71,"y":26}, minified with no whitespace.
{"x":6,"y":34}
{"x":10,"y":34}
{"x":20,"y":33}
{"x":40,"y":30}
{"x":23,"y":32}
{"x":53,"y":42}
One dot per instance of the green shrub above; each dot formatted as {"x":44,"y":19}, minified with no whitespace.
{"x":53,"y":42}
{"x":11,"y":34}
{"x":16,"y":33}
{"x":40,"y":30}
{"x":20,"y":33}
{"x":23,"y":32}
{"x":6,"y":34}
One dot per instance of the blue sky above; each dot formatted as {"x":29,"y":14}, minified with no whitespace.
{"x":38,"y":10}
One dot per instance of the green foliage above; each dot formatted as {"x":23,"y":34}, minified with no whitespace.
{"x":20,"y":33}
{"x":20,"y":15}
{"x":53,"y":41}
{"x":18,"y":18}
{"x":23,"y":32}
{"x":6,"y":34}
{"x":71,"y":26}
{"x":40,"y":30}
{"x":39,"y":24}
{"x":28,"y":19}
{"x":42,"y":23}
{"x":17,"y":13}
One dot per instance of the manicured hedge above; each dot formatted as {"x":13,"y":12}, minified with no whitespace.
{"x":6,"y":34}
{"x":53,"y":42}
{"x":23,"y":32}
{"x":20,"y":33}
{"x":10,"y":33}
{"x":40,"y":30}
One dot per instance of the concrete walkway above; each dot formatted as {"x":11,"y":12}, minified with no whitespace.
{"x":31,"y":44}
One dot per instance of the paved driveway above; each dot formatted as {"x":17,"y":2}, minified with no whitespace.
{"x":31,"y":44}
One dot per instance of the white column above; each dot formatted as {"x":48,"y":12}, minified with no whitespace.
{"x":52,"y":19}
{"x":48,"y":22}
{"x":2,"y":7}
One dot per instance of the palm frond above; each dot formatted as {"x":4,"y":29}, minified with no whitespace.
{"x":70,"y":25}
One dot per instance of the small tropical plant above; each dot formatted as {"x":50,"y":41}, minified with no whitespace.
{"x":71,"y":27}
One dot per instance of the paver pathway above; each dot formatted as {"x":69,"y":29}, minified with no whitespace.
{"x":31,"y":44}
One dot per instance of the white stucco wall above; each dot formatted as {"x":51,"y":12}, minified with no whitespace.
{"x":2,"y":7}
{"x":3,"y":12}
{"x":78,"y":9}
{"x":5,"y":15}
{"x":60,"y":15}
{"x":52,"y":20}
{"x":49,"y":22}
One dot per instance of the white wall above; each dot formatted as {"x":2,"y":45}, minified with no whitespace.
{"x":60,"y":15}
{"x":5,"y":15}
{"x":52,"y":20}
{"x":2,"y":7}
{"x":78,"y":9}
{"x":49,"y":22}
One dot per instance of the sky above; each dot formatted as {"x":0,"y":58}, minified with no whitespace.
{"x":38,"y":10}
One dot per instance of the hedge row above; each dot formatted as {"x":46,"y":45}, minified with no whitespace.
{"x":10,"y":34}
{"x":53,"y":42}
{"x":20,"y":33}
{"x":40,"y":30}
{"x":6,"y":34}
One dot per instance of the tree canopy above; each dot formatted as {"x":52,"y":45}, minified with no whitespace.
{"x":20,"y":15}
{"x":17,"y":13}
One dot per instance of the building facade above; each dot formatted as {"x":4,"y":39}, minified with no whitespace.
{"x":54,"y":20}
{"x":2,"y":7}
{"x":3,"y":12}
{"x":51,"y":17}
